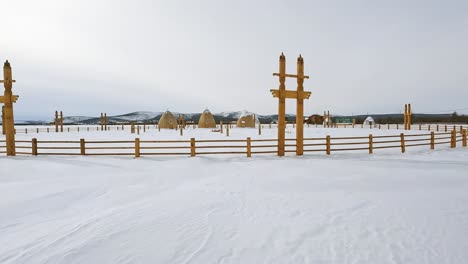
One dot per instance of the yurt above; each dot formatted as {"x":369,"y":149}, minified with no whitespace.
{"x":369,"y":121}
{"x":206,"y":120}
{"x":246,"y":119}
{"x":167,"y":120}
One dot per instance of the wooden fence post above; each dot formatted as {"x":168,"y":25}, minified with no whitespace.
{"x":388,"y":126}
{"x":34,"y":146}
{"x":144,"y":127}
{"x":419,"y":126}
{"x":181,"y":130}
{"x":78,"y":129}
{"x":445,"y":128}
{"x":138,"y":130}
{"x":249,"y":151}
{"x":464,"y":143}
{"x":221,"y":126}
{"x":192,"y":147}
{"x":82,"y":147}
{"x":37,"y":130}
{"x":432,"y":140}
{"x":437,"y":127}
{"x":259,"y":128}
{"x":47,"y":130}
{"x":328,"y":149}
{"x":227,"y":130}
{"x":397,"y":126}
{"x":453,"y":139}
{"x":137,"y":147}
{"x":402,"y":138}
{"x":371,"y":144}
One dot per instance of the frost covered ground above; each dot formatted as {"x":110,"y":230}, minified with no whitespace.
{"x":345,"y":208}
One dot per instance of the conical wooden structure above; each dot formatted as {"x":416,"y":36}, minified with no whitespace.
{"x":206,"y":120}
{"x":246,"y":120}
{"x":167,"y":120}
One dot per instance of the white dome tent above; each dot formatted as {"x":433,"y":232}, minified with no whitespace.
{"x":369,"y":121}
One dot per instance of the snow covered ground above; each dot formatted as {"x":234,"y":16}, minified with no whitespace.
{"x":345,"y":208}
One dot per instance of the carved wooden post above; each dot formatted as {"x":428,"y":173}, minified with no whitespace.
{"x":402,"y":139}
{"x":56,"y":122}
{"x":300,"y":107}
{"x":82,"y":147}
{"x":3,"y":120}
{"x":328,"y":147}
{"x":61,"y":122}
{"x":192,"y":147}
{"x":249,"y":151}
{"x":432,"y":140}
{"x":371,"y":146}
{"x":299,"y":95}
{"x":105,"y":121}
{"x":8,"y":99}
{"x":34,"y":146}
{"x":410,"y":117}
{"x":405,"y":117}
{"x":282,"y":105}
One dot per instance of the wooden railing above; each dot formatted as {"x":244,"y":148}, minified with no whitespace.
{"x":151,"y":127}
{"x":246,"y":146}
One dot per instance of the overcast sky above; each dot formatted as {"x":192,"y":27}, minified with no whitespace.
{"x":90,"y":56}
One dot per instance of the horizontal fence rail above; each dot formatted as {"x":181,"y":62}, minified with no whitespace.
{"x":248,"y":146}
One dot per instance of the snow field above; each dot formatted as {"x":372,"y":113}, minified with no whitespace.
{"x":349,"y":207}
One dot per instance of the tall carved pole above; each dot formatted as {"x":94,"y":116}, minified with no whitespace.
{"x":409,"y":117}
{"x":8,"y":109}
{"x":3,"y":120}
{"x":105,"y":121}
{"x":56,"y":121}
{"x":61,"y":121}
{"x":282,"y":105}
{"x":300,"y":107}
{"x":101,"y":121}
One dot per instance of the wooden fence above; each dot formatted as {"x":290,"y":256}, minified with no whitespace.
{"x":246,"y":146}
{"x":141,"y":128}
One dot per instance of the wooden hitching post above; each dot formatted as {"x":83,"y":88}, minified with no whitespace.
{"x":61,"y":121}
{"x":299,"y":95}
{"x":56,"y":122}
{"x":8,"y":99}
